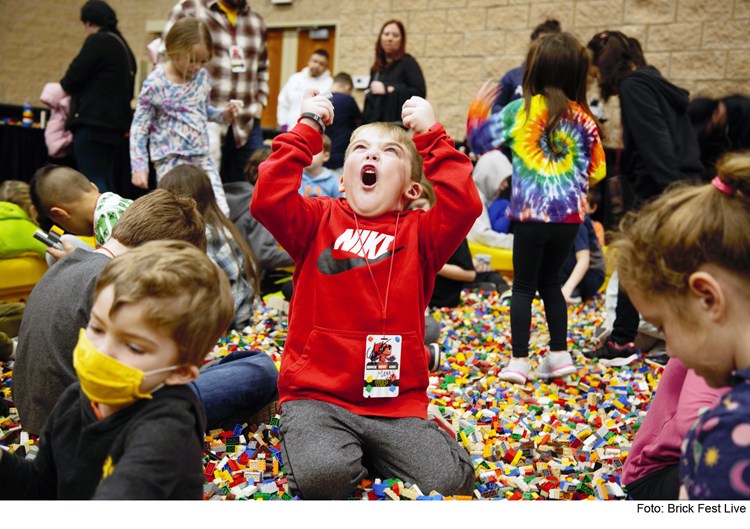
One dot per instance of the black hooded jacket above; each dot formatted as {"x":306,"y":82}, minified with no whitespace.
{"x":660,"y":146}
{"x":152,"y":449}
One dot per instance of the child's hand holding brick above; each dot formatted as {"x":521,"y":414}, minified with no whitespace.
{"x":418,"y":115}
{"x":319,"y":105}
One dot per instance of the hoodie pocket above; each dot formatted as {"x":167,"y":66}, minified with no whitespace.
{"x":333,"y":362}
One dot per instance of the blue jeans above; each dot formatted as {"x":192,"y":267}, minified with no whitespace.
{"x":243,"y":380}
{"x":234,"y":159}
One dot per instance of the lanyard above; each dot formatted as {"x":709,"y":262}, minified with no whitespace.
{"x":383,"y":305}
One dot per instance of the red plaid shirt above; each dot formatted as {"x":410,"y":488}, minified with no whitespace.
{"x":249,"y":34}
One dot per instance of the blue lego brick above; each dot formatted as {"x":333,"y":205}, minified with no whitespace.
{"x":379,"y":489}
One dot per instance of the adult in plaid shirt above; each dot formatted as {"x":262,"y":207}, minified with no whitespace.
{"x":239,"y":70}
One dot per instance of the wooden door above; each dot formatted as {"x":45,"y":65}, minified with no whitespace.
{"x":305,"y":47}
{"x":274,"y":41}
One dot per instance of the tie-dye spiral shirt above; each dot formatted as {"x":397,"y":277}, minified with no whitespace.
{"x":545,"y":187}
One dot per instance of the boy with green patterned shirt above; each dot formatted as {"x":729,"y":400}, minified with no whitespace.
{"x":70,"y":200}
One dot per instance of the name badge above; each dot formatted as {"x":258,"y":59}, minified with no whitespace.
{"x":382,"y":366}
{"x":237,"y":57}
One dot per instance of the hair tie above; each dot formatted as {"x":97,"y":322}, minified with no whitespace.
{"x":721,"y":186}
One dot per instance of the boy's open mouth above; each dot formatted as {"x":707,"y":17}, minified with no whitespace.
{"x":369,"y":176}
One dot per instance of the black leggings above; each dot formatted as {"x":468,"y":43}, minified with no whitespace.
{"x":539,"y":253}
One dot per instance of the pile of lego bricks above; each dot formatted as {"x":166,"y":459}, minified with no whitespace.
{"x":558,"y":439}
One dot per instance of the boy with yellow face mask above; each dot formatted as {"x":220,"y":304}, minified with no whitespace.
{"x":131,"y":428}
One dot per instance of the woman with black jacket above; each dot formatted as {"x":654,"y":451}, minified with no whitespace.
{"x":394,"y":78}
{"x":659,"y":148}
{"x":101,"y":82}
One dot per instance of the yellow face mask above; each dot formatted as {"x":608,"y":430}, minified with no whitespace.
{"x":106,"y":381}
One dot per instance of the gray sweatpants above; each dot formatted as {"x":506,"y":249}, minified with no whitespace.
{"x":327,"y":451}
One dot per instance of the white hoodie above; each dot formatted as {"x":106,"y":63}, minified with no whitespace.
{"x":492,"y":169}
{"x":290,"y":97}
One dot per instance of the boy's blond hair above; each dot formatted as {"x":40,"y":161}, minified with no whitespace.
{"x":326,"y":143}
{"x":161,"y":215}
{"x":400,"y":136}
{"x":54,"y":185}
{"x":184,"y":294}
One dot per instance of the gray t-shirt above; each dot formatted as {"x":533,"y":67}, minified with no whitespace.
{"x":58,"y":307}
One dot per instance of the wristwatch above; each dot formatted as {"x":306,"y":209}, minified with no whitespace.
{"x":315,"y":118}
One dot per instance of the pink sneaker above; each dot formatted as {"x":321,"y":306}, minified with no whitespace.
{"x":555,"y":365}
{"x":517,"y":371}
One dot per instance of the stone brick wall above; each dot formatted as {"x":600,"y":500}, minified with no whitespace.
{"x":701,"y":45}
{"x":39,"y":39}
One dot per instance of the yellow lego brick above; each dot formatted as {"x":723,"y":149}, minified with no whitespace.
{"x":464,"y":439}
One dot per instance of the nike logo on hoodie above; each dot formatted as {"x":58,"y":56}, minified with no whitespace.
{"x":338,"y":257}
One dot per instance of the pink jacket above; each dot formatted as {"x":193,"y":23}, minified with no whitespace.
{"x":681,"y":393}
{"x":59,"y":141}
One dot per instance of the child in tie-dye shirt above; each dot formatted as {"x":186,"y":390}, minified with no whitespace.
{"x":557,"y":153}
{"x":173,"y":110}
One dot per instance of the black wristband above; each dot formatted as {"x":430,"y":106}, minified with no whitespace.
{"x":315,"y":118}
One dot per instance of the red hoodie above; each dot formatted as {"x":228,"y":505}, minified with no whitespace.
{"x":335,"y":304}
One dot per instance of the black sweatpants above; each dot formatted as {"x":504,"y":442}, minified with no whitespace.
{"x":539,"y":253}
{"x":327,"y":451}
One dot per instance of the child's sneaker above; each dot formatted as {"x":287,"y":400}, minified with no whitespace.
{"x":436,"y":357}
{"x":555,"y":365}
{"x":434,"y":415}
{"x":517,"y":371}
{"x":660,"y":359}
{"x":613,"y":355}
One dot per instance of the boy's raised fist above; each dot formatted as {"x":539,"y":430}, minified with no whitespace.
{"x":317,"y":104}
{"x":418,"y":115}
